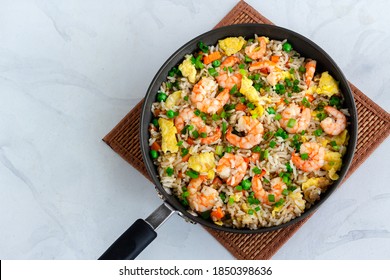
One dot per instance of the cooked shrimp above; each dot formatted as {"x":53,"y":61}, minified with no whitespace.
{"x":310,"y":69}
{"x":253,"y":129}
{"x":315,"y":157}
{"x":224,"y":78}
{"x":201,"y":198}
{"x":277,"y":187}
{"x":295,"y":119}
{"x":187,"y":116}
{"x":334,"y":126}
{"x":203,"y":96}
{"x":232,"y":168}
{"x":256,"y":51}
{"x":263,"y":64}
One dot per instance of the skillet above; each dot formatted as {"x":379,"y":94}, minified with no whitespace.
{"x":143,"y":232}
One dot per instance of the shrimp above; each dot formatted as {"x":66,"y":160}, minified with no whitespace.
{"x":295,"y":119}
{"x":315,"y":157}
{"x":310,"y":69}
{"x":201,"y":198}
{"x":187,"y":116}
{"x":203,"y":96}
{"x":277,"y":187}
{"x":232,"y":168}
{"x":329,"y":125}
{"x":269,"y":65}
{"x":256,"y":52}
{"x":226,"y":80}
{"x":254,"y":133}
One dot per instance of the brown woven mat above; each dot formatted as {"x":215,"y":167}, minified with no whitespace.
{"x":124,"y":140}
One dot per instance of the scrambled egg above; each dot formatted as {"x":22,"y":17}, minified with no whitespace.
{"x":188,"y":69}
{"x":298,"y":199}
{"x":340,"y":139}
{"x":327,"y":85}
{"x":319,"y":182}
{"x":168,"y":134}
{"x":253,"y":96}
{"x":332,"y":164}
{"x":173,"y":99}
{"x":231,"y":45}
{"x":203,"y":162}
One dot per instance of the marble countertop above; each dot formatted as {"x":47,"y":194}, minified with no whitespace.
{"x":70,"y":70}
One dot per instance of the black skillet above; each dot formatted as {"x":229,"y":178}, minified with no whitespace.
{"x":142,"y":232}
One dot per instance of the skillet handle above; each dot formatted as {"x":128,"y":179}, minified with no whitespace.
{"x":138,"y":236}
{"x":131,"y":243}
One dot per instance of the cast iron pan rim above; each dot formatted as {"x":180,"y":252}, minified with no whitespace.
{"x":347,"y":93}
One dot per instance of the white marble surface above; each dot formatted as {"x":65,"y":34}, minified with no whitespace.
{"x":70,"y":70}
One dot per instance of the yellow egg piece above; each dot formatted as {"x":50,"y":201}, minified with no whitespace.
{"x":188,"y":69}
{"x":168,"y":135}
{"x":327,"y":85}
{"x":297,"y":197}
{"x":319,"y":182}
{"x":173,"y":99}
{"x":333,"y":163}
{"x":231,"y":45}
{"x":202,"y":162}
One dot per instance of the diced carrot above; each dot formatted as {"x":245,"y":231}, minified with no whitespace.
{"x":156,"y":112}
{"x":240,"y":107}
{"x":185,"y":158}
{"x":275,"y":58}
{"x":155,"y":146}
{"x":246,"y":160}
{"x":211,"y":57}
{"x":281,"y":101}
{"x":180,"y":174}
{"x":190,"y":141}
{"x":309,"y":97}
{"x":264,"y":70}
{"x":216,"y":182}
{"x":217,"y":214}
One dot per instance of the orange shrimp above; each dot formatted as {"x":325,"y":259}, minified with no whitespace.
{"x":277,"y":187}
{"x":334,"y":126}
{"x":295,"y":119}
{"x":252,"y":127}
{"x":262,"y":64}
{"x":310,"y":69}
{"x":315,"y":157}
{"x":201,"y":198}
{"x":232,"y":168}
{"x":227,"y":80}
{"x":203,"y":96}
{"x":214,"y":134}
{"x":257,"y":51}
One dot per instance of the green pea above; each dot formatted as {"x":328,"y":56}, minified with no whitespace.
{"x":216,"y":63}
{"x":287,"y":47}
{"x":171,"y":114}
{"x":155,"y":122}
{"x":161,"y":96}
{"x":154,"y":154}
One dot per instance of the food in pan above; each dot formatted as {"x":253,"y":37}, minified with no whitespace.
{"x":248,"y":133}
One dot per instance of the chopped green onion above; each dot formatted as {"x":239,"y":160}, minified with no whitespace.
{"x":288,"y":82}
{"x":280,"y":89}
{"x":206,"y":214}
{"x":251,"y":200}
{"x":185,"y":98}
{"x":203,"y":134}
{"x":185,"y":194}
{"x":256,"y":149}
{"x":243,"y":72}
{"x":272,"y":144}
{"x":169,"y":171}
{"x":231,"y":200}
{"x":302,"y":69}
{"x":335,"y":101}
{"x":224,"y":127}
{"x":154,"y":154}
{"x":265,"y":180}
{"x":171,"y":114}
{"x":264,"y":154}
{"x":333,"y":143}
{"x":161,"y":96}
{"x":251,"y":106}
{"x":291,"y":123}
{"x":271,"y":198}
{"x":204,"y":48}
{"x":242,"y":99}
{"x":287,"y":47}
{"x":271,"y":110}
{"x":291,"y":71}
{"x":285,"y":192}
{"x":279,"y":203}
{"x":203,"y":116}
{"x":257,"y":209}
{"x":180,"y":143}
{"x":219,"y":150}
{"x":251,"y":212}
{"x":184,"y":152}
{"x":174,"y":71}
{"x":258,"y":86}
{"x":229,"y":107}
{"x":247,"y":59}
{"x":222,"y":195}
{"x":288,"y":167}
{"x":241,"y":66}
{"x":169,"y":85}
{"x":321,"y":116}
{"x":213,"y":72}
{"x":190,"y":127}
{"x":281,"y":133}
{"x":215,"y":117}
{"x":216,"y":63}
{"x":246,"y":184}
{"x":223,"y":114}
{"x":233,"y":90}
{"x":291,"y":189}
{"x":268,"y":135}
{"x":195,"y":134}
{"x":239,"y":188}
{"x":197,"y":112}
{"x":305,"y":102}
{"x":318,"y":132}
{"x":192,"y":174}
{"x":305,"y":156}
{"x":303,"y":132}
{"x":296,"y":82}
{"x":278,"y":117}
{"x":256,"y":170}
{"x":229,"y":149}
{"x":230,"y":69}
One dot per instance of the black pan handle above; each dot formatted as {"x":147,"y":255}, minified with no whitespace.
{"x":138,"y":236}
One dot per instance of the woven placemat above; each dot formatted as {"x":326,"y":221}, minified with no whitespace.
{"x":124,"y":139}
